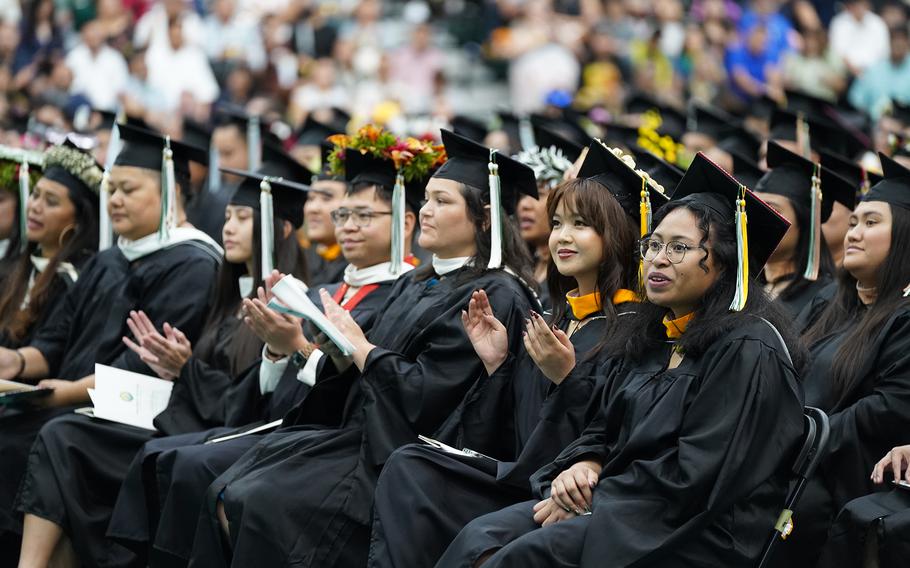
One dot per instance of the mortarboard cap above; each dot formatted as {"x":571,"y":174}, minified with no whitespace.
{"x":621,"y":135}
{"x":546,"y":138}
{"x":791,"y":175}
{"x":314,"y":133}
{"x":894,"y":188}
{"x":661,"y":171}
{"x":709,"y":121}
{"x":469,"y":128}
{"x":859,"y":178}
{"x":741,"y":141}
{"x":143,"y":149}
{"x":564,"y":128}
{"x":746,"y":171}
{"x":468,"y":163}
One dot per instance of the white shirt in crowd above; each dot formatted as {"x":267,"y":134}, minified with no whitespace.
{"x":151,"y":29}
{"x":186,"y":70}
{"x":860,"y":42}
{"x":101,"y":77}
{"x":238,"y":38}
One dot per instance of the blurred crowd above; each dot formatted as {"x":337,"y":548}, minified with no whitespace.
{"x":414,"y":65}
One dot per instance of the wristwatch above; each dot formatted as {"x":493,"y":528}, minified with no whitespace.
{"x":299,"y":357}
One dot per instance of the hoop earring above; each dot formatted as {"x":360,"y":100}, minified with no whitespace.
{"x":71,"y":228}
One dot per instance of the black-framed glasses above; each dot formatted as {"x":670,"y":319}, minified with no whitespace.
{"x":676,"y":251}
{"x":361,"y":217}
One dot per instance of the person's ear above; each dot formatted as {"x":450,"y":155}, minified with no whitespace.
{"x":410,"y":223}
{"x":286,"y":228}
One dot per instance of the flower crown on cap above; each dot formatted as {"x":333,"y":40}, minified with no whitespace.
{"x":414,"y":158}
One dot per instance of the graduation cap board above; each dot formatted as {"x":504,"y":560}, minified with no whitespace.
{"x":563,"y":133}
{"x":661,"y":171}
{"x":820,"y":134}
{"x":741,"y":141}
{"x":759,"y":228}
{"x":857,"y":175}
{"x":745,"y":170}
{"x":149,"y":150}
{"x":502,"y":177}
{"x":469,"y":128}
{"x":313,"y":133}
{"x":24,"y":160}
{"x":634,"y":190}
{"x":802,"y":181}
{"x":709,"y":121}
{"x":544,"y":137}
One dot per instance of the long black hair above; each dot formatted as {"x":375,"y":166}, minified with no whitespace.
{"x":515,"y":253}
{"x":713,"y":317}
{"x":245,"y":346}
{"x":802,"y":213}
{"x":79,"y":244}
{"x":846,"y":310}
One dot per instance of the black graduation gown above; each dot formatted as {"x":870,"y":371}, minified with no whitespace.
{"x":168,"y":478}
{"x":814,"y":308}
{"x":547,"y":418}
{"x":59,"y":287}
{"x":795,"y":303}
{"x":77,"y":464}
{"x":170,"y":285}
{"x":303,"y":494}
{"x":695,"y":458}
{"x":880,"y":521}
{"x":322,"y":271}
{"x":874,"y":418}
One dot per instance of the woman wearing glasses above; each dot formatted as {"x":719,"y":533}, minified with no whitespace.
{"x":685,"y":464}
{"x":594,"y":223}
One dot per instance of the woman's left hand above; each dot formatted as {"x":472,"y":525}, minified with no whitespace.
{"x":550,"y":348}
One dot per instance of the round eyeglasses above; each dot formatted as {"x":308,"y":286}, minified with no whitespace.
{"x":676,"y":251}
{"x":361,"y":217}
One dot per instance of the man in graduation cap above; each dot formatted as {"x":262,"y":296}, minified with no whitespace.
{"x":416,"y":373}
{"x":804,"y":193}
{"x":325,"y":261}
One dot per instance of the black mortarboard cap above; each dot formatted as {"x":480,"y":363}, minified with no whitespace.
{"x":624,"y":184}
{"x":622,"y":135}
{"x":791,"y":177}
{"x":511,"y":125}
{"x":810,"y":105}
{"x":665,"y":173}
{"x":196,"y":133}
{"x":746,"y":170}
{"x":848,"y":169}
{"x":313,"y":133}
{"x":709,"y":121}
{"x":564,"y":128}
{"x":707,"y":183}
{"x":108,"y":118}
{"x":469,"y":128}
{"x":741,"y":141}
{"x":143,"y":149}
{"x":288,"y":196}
{"x":894,"y":189}
{"x":546,"y":138}
{"x":468,"y":163}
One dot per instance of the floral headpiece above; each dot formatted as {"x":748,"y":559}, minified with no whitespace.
{"x":414,"y":158}
{"x":77,"y":163}
{"x":549,"y":164}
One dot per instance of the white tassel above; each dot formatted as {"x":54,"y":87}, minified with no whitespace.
{"x":495,"y":214}
{"x":214,"y":179}
{"x":105,"y":231}
{"x":266,"y":229}
{"x":398,"y":213}
{"x":24,"y":191}
{"x":168,"y":220}
{"x":254,"y":143}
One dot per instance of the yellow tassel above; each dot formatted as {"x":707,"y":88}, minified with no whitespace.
{"x":644,"y":209}
{"x":742,"y":253}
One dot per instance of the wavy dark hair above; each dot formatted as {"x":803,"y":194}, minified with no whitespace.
{"x":865,"y":322}
{"x":245,"y":346}
{"x":16,"y":323}
{"x":713,"y":317}
{"x":798,"y":284}
{"x":515,"y":253}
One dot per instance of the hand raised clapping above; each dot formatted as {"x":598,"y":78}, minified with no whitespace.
{"x":165,"y":354}
{"x":487,"y":334}
{"x":551,"y":348}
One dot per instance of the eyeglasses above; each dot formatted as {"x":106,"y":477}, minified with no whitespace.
{"x":676,"y":251}
{"x":361,"y":217}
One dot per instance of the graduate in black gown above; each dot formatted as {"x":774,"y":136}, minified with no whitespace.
{"x":686,"y":464}
{"x":802,"y":265}
{"x":595,"y":221}
{"x":62,"y":233}
{"x":166,"y":274}
{"x":875,"y":529}
{"x":304,"y":493}
{"x":55,"y":490}
{"x":12,"y":223}
{"x":171,"y":473}
{"x":860,"y":373}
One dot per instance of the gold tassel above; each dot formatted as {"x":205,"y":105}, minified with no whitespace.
{"x":644,"y":228}
{"x":742,"y":253}
{"x":815,"y":227}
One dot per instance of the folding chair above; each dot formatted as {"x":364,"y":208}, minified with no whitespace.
{"x":817,"y":431}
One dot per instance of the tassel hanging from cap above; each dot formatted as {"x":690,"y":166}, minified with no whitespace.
{"x":495,"y":213}
{"x":105,"y":231}
{"x":644,"y":209}
{"x":815,"y":227}
{"x":907,"y":291}
{"x":254,"y":143}
{"x":398,"y":213}
{"x":214,"y":180}
{"x":168,"y":218}
{"x":266,"y":229}
{"x":742,"y":254}
{"x":803,"y":139}
{"x":24,"y":191}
